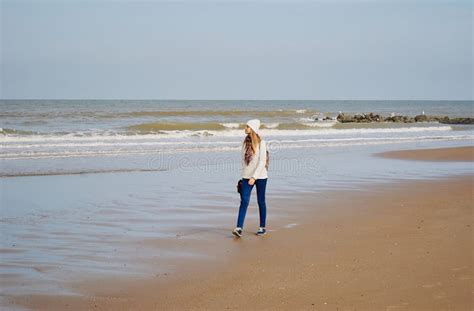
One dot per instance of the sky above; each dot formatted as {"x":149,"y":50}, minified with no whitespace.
{"x":380,"y":49}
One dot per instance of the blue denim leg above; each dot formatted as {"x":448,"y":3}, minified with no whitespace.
{"x":262,"y":206}
{"x":244,"y":201}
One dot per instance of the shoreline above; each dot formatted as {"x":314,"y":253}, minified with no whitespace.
{"x":395,"y":246}
{"x":455,"y":154}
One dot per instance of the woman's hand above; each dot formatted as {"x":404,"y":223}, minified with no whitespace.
{"x":251,"y":181}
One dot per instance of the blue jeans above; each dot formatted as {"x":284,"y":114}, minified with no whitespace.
{"x":245,"y":200}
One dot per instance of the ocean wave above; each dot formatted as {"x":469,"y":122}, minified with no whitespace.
{"x":175,"y":126}
{"x":321,"y":124}
{"x":208,"y":113}
{"x":295,"y":129}
{"x":174,"y":134}
{"x":110,"y":153}
{"x":132,"y":148}
{"x":271,"y":125}
{"x":232,"y":125}
{"x":6,"y":131}
{"x":101,"y":114}
{"x":80,"y":172}
{"x":164,"y":127}
{"x":213,"y":127}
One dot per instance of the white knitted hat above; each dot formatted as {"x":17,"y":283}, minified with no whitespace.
{"x":254,"y":124}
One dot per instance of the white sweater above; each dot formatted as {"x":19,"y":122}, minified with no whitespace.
{"x":256,"y":168}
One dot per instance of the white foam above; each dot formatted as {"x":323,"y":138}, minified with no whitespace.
{"x":97,"y":137}
{"x":231,"y":125}
{"x":221,"y":146}
{"x":335,"y":132}
{"x":108,"y":153}
{"x":320,"y":124}
{"x":271,"y":125}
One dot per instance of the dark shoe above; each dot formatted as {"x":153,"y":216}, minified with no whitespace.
{"x":237,"y":232}
{"x":261,"y":231}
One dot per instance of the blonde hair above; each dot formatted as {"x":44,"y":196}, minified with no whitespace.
{"x":251,"y":142}
{"x":255,"y":138}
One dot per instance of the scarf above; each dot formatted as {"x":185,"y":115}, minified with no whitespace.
{"x":248,"y":150}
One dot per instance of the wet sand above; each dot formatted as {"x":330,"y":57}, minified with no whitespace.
{"x":442,"y":154}
{"x":399,"y":246}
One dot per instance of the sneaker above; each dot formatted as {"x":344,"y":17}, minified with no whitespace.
{"x":261,"y":231}
{"x":237,"y":232}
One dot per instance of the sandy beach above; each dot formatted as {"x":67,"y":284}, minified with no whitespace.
{"x":400,"y":246}
{"x":126,"y":128}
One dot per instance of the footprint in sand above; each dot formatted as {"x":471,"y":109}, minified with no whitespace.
{"x":432,"y":285}
{"x":464,"y":277}
{"x":459,"y":268}
{"x":395,"y":307}
{"x":440,"y":295}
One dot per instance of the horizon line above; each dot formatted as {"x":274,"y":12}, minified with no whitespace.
{"x":242,"y":99}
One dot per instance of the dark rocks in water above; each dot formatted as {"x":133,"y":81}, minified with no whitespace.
{"x":444,"y":119}
{"x":400,"y":119}
{"x":425,"y":118}
{"x":371,"y":117}
{"x":359,"y":118}
{"x":344,"y":119}
{"x":375,"y":117}
{"x":421,"y":118}
{"x":457,"y":120}
{"x":441,"y":119}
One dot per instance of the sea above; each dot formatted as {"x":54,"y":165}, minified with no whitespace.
{"x":41,"y":137}
{"x":91,"y":189}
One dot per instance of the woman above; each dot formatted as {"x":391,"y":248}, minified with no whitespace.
{"x":254,"y":172}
